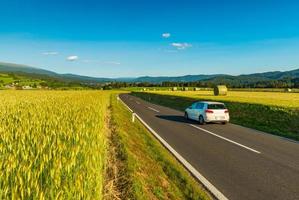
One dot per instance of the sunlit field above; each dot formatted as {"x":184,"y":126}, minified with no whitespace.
{"x":52,"y":144}
{"x":283,"y":99}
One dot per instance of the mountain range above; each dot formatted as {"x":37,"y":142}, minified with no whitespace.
{"x":215,"y":78}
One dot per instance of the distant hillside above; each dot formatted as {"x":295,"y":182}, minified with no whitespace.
{"x":266,"y":79}
{"x":186,"y":78}
{"x":31,"y":71}
{"x":9,"y":67}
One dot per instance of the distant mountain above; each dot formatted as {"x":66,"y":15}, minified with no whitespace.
{"x":31,"y":71}
{"x":266,"y":79}
{"x":275,"y":75}
{"x":85,"y":79}
{"x":186,"y":78}
{"x":240,"y":80}
{"x":9,"y":67}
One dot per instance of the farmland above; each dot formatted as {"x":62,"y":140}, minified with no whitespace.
{"x":266,"y":98}
{"x":273,"y":112}
{"x":282,"y":99}
{"x":53,"y":144}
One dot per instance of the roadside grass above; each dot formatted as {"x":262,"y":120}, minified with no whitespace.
{"x":265,"y":113}
{"x":152,"y":171}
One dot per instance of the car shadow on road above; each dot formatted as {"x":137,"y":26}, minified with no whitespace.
{"x":182,"y":119}
{"x":176,"y":118}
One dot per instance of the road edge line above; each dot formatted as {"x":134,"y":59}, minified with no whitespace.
{"x":186,"y":164}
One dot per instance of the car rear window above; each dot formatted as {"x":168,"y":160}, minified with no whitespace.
{"x":216,"y":106}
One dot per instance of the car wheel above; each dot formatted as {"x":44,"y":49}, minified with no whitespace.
{"x":223,"y":123}
{"x":186,"y":115}
{"x":201,"y":120}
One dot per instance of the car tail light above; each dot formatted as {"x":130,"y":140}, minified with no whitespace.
{"x":209,"y":111}
{"x":225,"y":111}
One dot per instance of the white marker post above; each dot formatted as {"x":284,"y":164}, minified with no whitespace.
{"x":133,"y":117}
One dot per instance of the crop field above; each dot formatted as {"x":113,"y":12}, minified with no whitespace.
{"x":52,"y":144}
{"x":283,"y":99}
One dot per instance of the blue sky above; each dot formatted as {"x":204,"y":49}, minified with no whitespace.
{"x":115,"y":38}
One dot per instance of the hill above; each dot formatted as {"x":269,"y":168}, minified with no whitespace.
{"x":266,"y":79}
{"x":186,"y":78}
{"x":31,"y":71}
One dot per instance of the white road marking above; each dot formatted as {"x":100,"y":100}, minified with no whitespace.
{"x":153,"y":109}
{"x":228,"y":140}
{"x":137,"y":102}
{"x":191,"y":169}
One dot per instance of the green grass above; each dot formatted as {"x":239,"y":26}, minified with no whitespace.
{"x":152,"y":171}
{"x":277,"y":114}
{"x":6,"y":79}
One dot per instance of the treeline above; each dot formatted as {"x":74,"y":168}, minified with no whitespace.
{"x":229,"y":81}
{"x":283,"y":83}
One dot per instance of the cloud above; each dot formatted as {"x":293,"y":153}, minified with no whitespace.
{"x":181,"y":46}
{"x":50,"y":53}
{"x":112,"y":62}
{"x":166,"y":35}
{"x":72,"y":58}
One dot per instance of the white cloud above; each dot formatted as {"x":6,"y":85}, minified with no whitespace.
{"x":50,"y":53}
{"x":166,"y":35}
{"x":72,"y":58}
{"x":181,"y":46}
{"x":112,"y":62}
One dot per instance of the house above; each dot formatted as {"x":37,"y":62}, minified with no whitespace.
{"x":26,"y":87}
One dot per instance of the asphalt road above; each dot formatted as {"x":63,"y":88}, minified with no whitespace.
{"x":241,"y":163}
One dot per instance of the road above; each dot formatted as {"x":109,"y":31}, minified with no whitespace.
{"x":241,"y":163}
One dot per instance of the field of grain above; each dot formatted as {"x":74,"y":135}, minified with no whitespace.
{"x":52,"y":144}
{"x":290,"y":100}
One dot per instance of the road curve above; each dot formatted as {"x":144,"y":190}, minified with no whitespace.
{"x":241,"y":163}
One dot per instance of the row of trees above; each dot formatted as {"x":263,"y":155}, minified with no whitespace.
{"x":240,"y":82}
{"x":283,"y":83}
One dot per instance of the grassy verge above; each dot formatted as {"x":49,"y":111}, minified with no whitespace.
{"x":117,"y":182}
{"x":152,"y":171}
{"x":282,"y":121}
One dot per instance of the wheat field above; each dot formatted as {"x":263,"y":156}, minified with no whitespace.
{"x":52,"y":144}
{"x":283,"y":99}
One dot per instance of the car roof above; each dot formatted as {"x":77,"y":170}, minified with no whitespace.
{"x":210,"y":102}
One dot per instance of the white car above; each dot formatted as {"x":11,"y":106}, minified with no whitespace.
{"x":206,"y":111}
